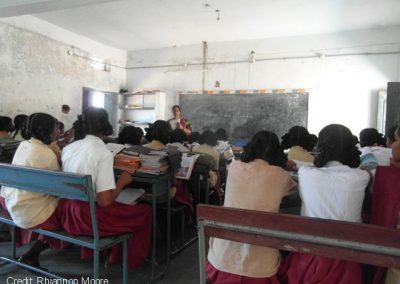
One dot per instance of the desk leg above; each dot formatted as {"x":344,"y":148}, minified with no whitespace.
{"x":168,"y":224}
{"x":153,"y":251}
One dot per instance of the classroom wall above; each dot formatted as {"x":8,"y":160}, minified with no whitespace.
{"x":343,"y":89}
{"x":38,"y":74}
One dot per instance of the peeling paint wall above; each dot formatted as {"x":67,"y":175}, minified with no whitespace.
{"x":38,"y":75}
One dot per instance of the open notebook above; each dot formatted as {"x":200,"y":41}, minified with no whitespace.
{"x":130,"y":195}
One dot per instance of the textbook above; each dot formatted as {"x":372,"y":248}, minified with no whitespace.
{"x":130,"y":195}
{"x":187,"y":165}
{"x":115,"y":148}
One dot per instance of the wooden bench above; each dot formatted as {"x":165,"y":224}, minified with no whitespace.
{"x":362,"y":243}
{"x":63,"y":185}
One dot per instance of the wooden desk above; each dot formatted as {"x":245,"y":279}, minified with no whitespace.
{"x":160,"y":193}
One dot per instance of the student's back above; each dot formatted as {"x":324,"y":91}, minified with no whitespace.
{"x":254,"y":183}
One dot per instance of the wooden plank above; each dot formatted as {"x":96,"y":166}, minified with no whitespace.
{"x":339,"y":230}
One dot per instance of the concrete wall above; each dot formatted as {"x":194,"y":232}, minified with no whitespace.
{"x":344,"y":89}
{"x":38,"y":74}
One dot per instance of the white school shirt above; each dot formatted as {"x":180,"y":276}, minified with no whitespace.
{"x":381,"y":154}
{"x":332,"y":192}
{"x":90,"y":156}
{"x":30,"y":209}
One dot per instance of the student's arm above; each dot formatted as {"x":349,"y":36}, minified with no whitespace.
{"x":107,"y":197}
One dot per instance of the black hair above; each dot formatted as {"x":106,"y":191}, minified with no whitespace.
{"x":208,"y":137}
{"x":61,"y":126}
{"x":221,"y":134}
{"x":176,"y":106}
{"x":337,"y":143}
{"x":390,"y":133}
{"x":313,"y":139}
{"x":369,"y":137}
{"x":41,"y":126}
{"x":297,"y":136}
{"x":178,"y":135}
{"x":6,"y":124}
{"x":130,"y":135}
{"x":381,"y":140}
{"x":264,"y":145}
{"x":20,"y":124}
{"x":160,"y":131}
{"x":194,"y":137}
{"x":93,"y":121}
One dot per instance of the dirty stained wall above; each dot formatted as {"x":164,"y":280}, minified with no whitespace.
{"x":38,"y":75}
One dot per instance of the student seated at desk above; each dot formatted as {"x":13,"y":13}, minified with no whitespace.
{"x":30,"y":209}
{"x":256,"y":182}
{"x":130,"y":135}
{"x":373,"y":153}
{"x":223,"y":147}
{"x":178,"y":139}
{"x":158,"y":135}
{"x":20,"y":122}
{"x":90,"y":156}
{"x":299,"y":141}
{"x":208,"y":140}
{"x":6,"y":127}
{"x":333,"y":188}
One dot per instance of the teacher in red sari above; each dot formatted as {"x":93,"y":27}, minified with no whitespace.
{"x":179,"y":122}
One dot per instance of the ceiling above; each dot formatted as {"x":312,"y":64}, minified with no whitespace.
{"x":145,"y":24}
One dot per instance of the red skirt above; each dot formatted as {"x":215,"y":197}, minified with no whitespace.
{"x":300,"y":268}
{"x":114,"y":219}
{"x":216,"y":276}
{"x":26,"y":236}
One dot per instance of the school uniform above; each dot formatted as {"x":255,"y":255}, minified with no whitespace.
{"x":297,"y":153}
{"x":256,"y":186}
{"x":208,"y":150}
{"x":179,"y":146}
{"x":381,"y":155}
{"x":91,"y":156}
{"x":333,"y":192}
{"x":31,"y":209}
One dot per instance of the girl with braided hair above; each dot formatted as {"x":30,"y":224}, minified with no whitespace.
{"x":255,"y":182}
{"x":89,"y":155}
{"x":31,"y":209}
{"x":299,"y":141}
{"x":333,"y":188}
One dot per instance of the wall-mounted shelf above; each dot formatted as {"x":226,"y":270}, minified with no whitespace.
{"x":139,"y":109}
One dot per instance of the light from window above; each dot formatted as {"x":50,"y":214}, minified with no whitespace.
{"x":98,"y":99}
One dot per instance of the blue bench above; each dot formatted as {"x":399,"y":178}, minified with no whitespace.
{"x":63,"y":185}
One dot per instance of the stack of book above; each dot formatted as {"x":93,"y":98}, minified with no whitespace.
{"x":126,"y":163}
{"x":154,"y":162}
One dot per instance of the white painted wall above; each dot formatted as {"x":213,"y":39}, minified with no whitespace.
{"x":37,"y":74}
{"x":343,"y":89}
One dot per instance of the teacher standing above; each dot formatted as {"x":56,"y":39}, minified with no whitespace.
{"x":179,"y":122}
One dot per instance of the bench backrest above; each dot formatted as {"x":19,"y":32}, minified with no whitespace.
{"x":61,"y":184}
{"x":337,"y":239}
{"x":55,"y":183}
